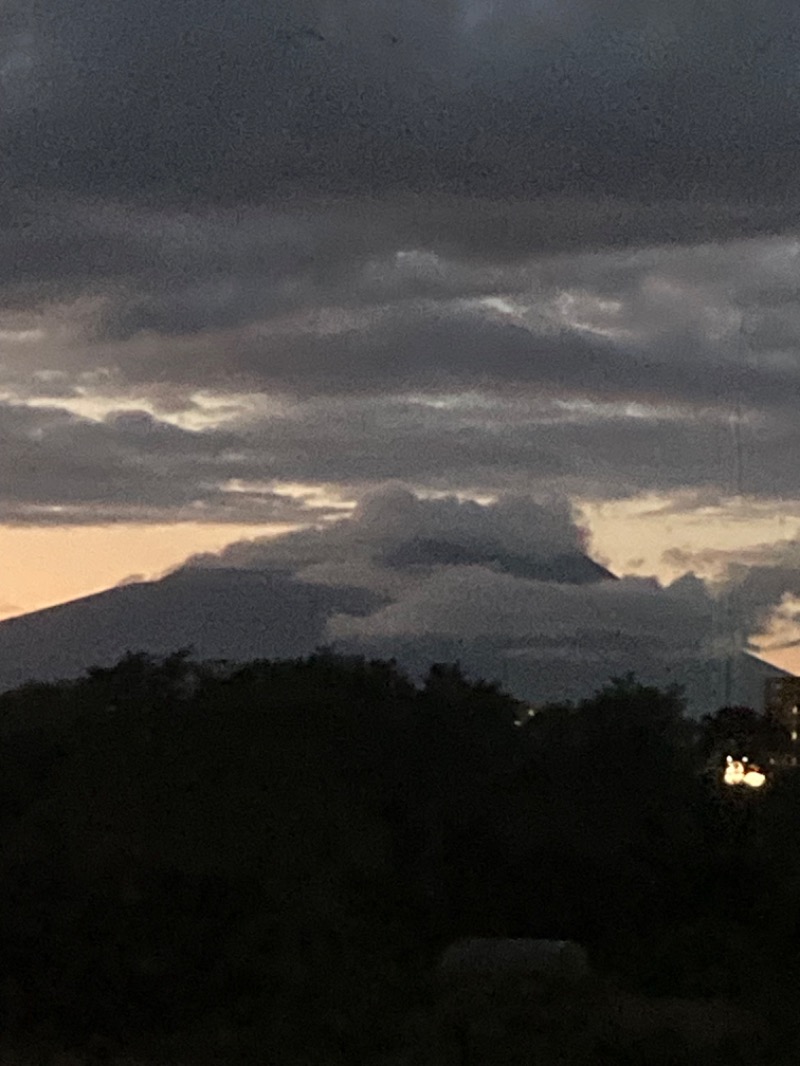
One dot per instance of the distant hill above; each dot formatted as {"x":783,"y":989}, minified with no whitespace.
{"x":243,"y":614}
{"x":233,"y":613}
{"x":222,"y":614}
{"x":554,"y":672}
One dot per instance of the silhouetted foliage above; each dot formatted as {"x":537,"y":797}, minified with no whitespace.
{"x":266,"y":859}
{"x":740,"y":731}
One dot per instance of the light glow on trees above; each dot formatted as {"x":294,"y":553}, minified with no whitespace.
{"x":742,"y":772}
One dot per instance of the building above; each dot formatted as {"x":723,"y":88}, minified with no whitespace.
{"x":782,"y":705}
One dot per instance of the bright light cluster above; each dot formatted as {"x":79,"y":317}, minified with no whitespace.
{"x":742,"y":772}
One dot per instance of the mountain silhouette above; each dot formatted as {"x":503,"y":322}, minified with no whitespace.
{"x":243,"y":614}
{"x":219,"y":613}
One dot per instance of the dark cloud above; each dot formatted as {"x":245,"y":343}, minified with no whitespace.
{"x":198,"y":167}
{"x":309,"y":204}
{"x":203,"y":267}
{"x":134,"y":465}
{"x":760,"y":590}
{"x":335,"y":310}
{"x":204,"y":100}
{"x":58,"y":469}
{"x":447,"y":346}
{"x":507,"y":442}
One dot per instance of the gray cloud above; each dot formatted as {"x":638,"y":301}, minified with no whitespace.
{"x":201,"y":100}
{"x":340,"y":310}
{"x":487,"y":444}
{"x":198,"y":168}
{"x":756,"y":578}
{"x":452,"y":346}
{"x":59,"y":469}
{"x":552,"y":638}
{"x":177,"y":270}
{"x":135,"y":466}
{"x":442,"y":597}
{"x":470,"y":601}
{"x":392,"y":516}
{"x":306,"y":203}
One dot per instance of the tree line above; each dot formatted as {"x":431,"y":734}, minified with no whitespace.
{"x":265,"y":860}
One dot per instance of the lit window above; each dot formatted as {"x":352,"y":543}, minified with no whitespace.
{"x":794,"y":734}
{"x":795,"y":710}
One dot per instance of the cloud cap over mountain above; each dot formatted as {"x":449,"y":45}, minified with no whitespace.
{"x":529,"y":608}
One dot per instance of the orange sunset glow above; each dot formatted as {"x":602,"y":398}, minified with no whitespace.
{"x":47,"y":566}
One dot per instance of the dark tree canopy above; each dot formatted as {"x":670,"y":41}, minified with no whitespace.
{"x":741,"y":731}
{"x":278,"y":850}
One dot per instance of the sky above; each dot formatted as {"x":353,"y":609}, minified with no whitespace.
{"x":260,"y":260}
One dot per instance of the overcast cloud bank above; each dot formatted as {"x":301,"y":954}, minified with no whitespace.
{"x":487,"y":249}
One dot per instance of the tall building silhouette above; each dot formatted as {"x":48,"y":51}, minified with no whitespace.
{"x":782,"y":705}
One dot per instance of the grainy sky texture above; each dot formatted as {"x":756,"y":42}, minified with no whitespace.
{"x":261,"y":258}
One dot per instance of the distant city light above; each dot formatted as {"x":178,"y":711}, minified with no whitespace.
{"x":530,"y":712}
{"x":734,"y":772}
{"x":740,"y":772}
{"x":754,"y":778}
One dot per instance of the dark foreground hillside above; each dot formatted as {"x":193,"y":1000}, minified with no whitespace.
{"x":262,"y":864}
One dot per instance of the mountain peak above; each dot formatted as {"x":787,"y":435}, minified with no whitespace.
{"x":569,"y":568}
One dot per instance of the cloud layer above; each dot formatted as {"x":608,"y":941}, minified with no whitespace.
{"x":552,"y":628}
{"x":486,"y":248}
{"x":204,"y":101}
{"x":552,"y":606}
